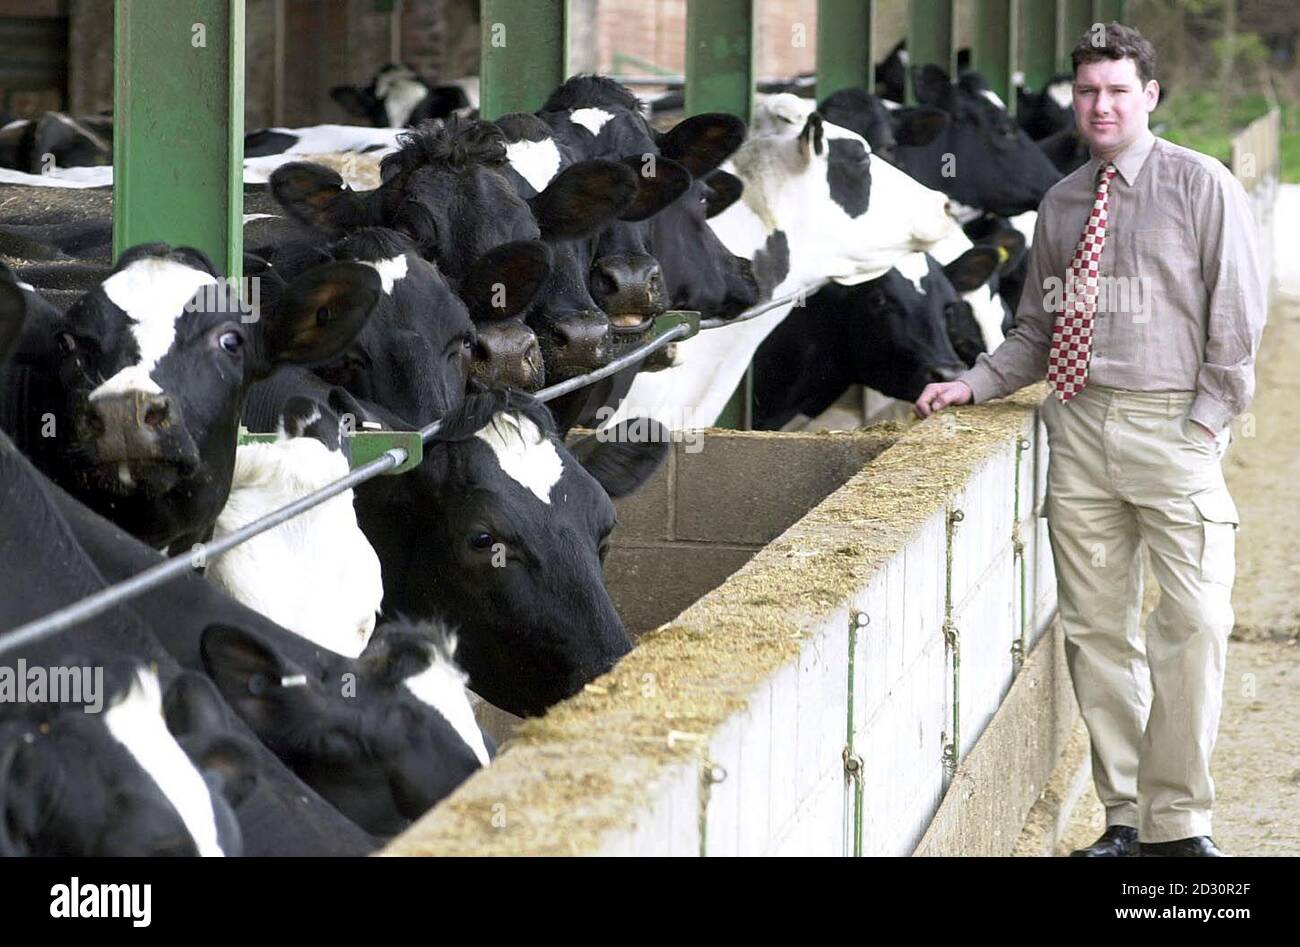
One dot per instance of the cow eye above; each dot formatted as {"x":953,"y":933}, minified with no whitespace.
{"x":67,"y":344}
{"x":481,"y":542}
{"x":230,"y":341}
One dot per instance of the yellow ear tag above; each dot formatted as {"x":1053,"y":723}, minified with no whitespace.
{"x":1003,"y":255}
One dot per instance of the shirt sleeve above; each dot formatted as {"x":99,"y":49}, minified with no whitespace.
{"x":1022,"y":357}
{"x":1237,"y":295}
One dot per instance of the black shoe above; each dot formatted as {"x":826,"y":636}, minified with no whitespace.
{"x":1202,"y":846}
{"x":1118,"y":841}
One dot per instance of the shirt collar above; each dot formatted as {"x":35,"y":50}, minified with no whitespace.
{"x":1128,"y":162}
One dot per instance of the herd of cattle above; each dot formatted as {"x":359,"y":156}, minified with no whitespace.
{"x":307,"y":693}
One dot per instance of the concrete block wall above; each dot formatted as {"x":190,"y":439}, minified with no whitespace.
{"x":716,"y":502}
{"x":830,"y":642}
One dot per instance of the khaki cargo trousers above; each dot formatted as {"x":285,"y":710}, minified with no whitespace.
{"x":1127,"y":468}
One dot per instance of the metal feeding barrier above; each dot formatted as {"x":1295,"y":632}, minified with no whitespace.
{"x":370,"y":454}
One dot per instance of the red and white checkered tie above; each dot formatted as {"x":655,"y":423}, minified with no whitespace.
{"x":1067,"y":362}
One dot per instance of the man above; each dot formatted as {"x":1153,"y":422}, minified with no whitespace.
{"x":1143,"y":306}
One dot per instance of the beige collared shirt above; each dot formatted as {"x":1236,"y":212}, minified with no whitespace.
{"x":1182,"y":296}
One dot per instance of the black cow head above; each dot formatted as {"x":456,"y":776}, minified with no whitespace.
{"x":450,"y":189}
{"x":502,"y":531}
{"x":152,"y":367}
{"x":397,"y":96}
{"x":124,"y":782}
{"x":983,"y":158}
{"x":383,"y":738}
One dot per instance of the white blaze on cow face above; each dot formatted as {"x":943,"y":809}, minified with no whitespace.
{"x":537,"y":162}
{"x":401,"y":91}
{"x":524,"y":454}
{"x":137,"y":723}
{"x":153,"y":293}
{"x":592,"y":119}
{"x":914,"y":267}
{"x":390,"y":271}
{"x":1062,"y":93}
{"x":316,"y":575}
{"x":442,"y":686}
{"x":994,"y":98}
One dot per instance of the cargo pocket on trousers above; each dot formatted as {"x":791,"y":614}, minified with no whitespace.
{"x":1219,"y":521}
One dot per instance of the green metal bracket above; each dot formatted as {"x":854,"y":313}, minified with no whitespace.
{"x":930,"y":38}
{"x":1037,"y":52}
{"x":677,"y":317}
{"x":178,"y":144}
{"x":361,"y":447}
{"x":524,"y":53}
{"x":845,"y":30}
{"x":994,"y":52}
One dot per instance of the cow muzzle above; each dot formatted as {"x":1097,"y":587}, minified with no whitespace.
{"x":509,"y":356}
{"x":139,"y":428}
{"x":630,"y":287}
{"x":574,"y":344}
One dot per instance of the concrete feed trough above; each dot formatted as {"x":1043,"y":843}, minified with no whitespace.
{"x":820,"y":699}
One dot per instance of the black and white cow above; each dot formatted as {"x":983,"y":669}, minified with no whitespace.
{"x":47,"y":565}
{"x":120,"y":778}
{"x":398,"y":96}
{"x":982,"y":159}
{"x":896,"y":334}
{"x":816,"y":205}
{"x":131,"y":400}
{"x":385,"y":735}
{"x":449,"y":189}
{"x":56,"y":140}
{"x":501,"y":531}
{"x":1049,"y":110}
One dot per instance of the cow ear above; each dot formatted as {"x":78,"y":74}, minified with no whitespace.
{"x":353,"y":413}
{"x":703,"y":142}
{"x":916,"y":128}
{"x":812,"y":138}
{"x":251,"y":676}
{"x":227,"y":760}
{"x":13,"y":310}
{"x":659,"y":182}
{"x":1012,"y":243}
{"x":973,"y":268}
{"x":724,"y":189}
{"x":192,"y":706}
{"x":316,"y":196}
{"x":319,"y":314}
{"x":933,"y":87}
{"x":353,"y":100}
{"x":503,"y":281}
{"x":624,"y":457}
{"x":302,"y":416}
{"x":582,"y":198}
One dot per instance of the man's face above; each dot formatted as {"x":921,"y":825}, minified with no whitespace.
{"x":1111,"y":105}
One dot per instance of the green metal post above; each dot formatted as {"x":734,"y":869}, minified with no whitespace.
{"x":720,"y":78}
{"x":994,"y":52}
{"x":1107,"y":11}
{"x":844,"y":45}
{"x":178,"y":144}
{"x":1074,"y":18}
{"x":524,"y":54}
{"x":1037,"y":42}
{"x":720,"y":57}
{"x":930,"y":37}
